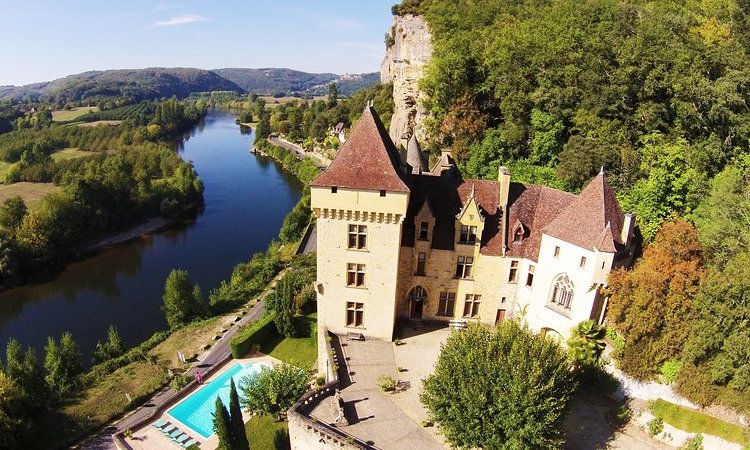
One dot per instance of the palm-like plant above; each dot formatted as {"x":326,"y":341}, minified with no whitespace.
{"x":586,"y":343}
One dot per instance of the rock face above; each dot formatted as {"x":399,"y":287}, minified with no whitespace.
{"x":403,"y":66}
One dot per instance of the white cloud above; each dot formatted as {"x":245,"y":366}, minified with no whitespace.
{"x":180,"y":20}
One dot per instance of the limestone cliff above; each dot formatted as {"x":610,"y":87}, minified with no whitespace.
{"x":406,"y":55}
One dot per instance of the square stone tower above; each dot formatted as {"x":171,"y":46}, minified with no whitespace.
{"x":360,"y":202}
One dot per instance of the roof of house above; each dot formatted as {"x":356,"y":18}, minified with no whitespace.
{"x":367,"y":160}
{"x":593,"y":220}
{"x":533,"y":207}
{"x":446,"y":197}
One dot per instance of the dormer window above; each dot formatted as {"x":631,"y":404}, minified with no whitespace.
{"x":518,"y":234}
{"x":424,"y":230}
{"x":468,"y":235}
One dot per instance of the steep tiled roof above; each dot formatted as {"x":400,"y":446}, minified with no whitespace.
{"x":534,"y":207}
{"x":367,"y":160}
{"x":586,"y":220}
{"x":447,"y":196}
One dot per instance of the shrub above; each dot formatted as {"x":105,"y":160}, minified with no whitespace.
{"x":655,"y":426}
{"x":386,"y":383}
{"x":694,"y":443}
{"x":670,"y":369}
{"x":623,"y":413}
{"x":251,"y":334}
{"x":617,"y":341}
{"x":179,"y":381}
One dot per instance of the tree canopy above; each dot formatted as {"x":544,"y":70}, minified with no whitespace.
{"x":506,"y":387}
{"x":652,"y":305}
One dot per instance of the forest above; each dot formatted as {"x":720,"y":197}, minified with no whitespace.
{"x":127,"y":174}
{"x":657,"y":93}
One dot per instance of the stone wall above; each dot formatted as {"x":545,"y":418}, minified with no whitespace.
{"x":404,"y":65}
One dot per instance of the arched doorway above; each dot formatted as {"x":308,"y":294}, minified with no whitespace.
{"x":552,"y":334}
{"x":417,"y":298}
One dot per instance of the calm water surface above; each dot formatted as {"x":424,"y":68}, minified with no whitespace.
{"x":246,"y":199}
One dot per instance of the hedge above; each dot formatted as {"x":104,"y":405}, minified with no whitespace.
{"x":252,"y":333}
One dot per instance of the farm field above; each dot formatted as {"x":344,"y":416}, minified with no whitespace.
{"x":69,"y":153}
{"x":99,"y":123}
{"x":72,"y":114}
{"x":31,"y":193}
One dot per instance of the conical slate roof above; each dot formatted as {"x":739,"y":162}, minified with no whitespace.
{"x":593,"y":220}
{"x":414,"y":156}
{"x":367,"y":160}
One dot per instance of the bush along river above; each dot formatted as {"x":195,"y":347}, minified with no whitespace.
{"x":246,"y":198}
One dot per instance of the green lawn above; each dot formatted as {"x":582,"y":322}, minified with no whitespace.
{"x":72,"y":114}
{"x":695,"y":422}
{"x":70,"y":153}
{"x":301,"y":351}
{"x":261,"y":433}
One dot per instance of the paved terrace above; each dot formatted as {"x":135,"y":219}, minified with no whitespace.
{"x":376,"y":417}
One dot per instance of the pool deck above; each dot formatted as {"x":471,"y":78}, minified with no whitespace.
{"x":148,"y":437}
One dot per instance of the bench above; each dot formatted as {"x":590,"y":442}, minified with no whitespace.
{"x":355,"y":336}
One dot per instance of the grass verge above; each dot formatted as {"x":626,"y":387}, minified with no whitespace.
{"x":261,"y":433}
{"x":301,"y":351}
{"x":695,"y":422}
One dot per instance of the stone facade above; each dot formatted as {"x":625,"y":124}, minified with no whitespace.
{"x":439,"y":247}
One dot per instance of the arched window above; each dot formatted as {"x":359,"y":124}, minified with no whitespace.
{"x":562,"y":292}
{"x":518,"y":235}
{"x":418,"y":294}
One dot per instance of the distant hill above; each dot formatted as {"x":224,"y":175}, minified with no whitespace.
{"x":139,"y":84}
{"x":269,"y":81}
{"x":142,"y":84}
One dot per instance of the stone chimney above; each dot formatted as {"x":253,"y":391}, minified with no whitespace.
{"x":503,"y":177}
{"x":628,"y":224}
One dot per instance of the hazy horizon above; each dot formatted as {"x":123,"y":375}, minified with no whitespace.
{"x":56,"y":40}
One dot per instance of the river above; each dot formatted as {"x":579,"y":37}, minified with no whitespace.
{"x":246,"y":199}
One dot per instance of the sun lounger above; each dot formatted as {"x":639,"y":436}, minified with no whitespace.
{"x":175,"y":433}
{"x":168,"y":429}
{"x":161,"y":423}
{"x":188,"y":443}
{"x":181,"y":439}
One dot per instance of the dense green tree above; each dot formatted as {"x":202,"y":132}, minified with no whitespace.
{"x":720,"y":339}
{"x":111,"y":348}
{"x":63,"y":365}
{"x":12,"y":425}
{"x":24,"y":369}
{"x":282,"y":303}
{"x":235,"y":414}
{"x":722,"y":217}
{"x":333,"y":95}
{"x":273,"y":390}
{"x":652,"y":305}
{"x":506,"y":387}
{"x":182,"y":301}
{"x":223,"y":426}
{"x":12,"y":211}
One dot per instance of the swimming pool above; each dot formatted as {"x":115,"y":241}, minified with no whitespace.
{"x":197,"y":410}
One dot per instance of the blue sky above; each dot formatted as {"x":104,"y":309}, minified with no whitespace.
{"x":44,"y":40}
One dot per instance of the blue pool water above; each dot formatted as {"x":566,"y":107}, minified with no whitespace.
{"x":197,"y":410}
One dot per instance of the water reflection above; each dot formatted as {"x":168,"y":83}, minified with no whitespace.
{"x":246,"y":198}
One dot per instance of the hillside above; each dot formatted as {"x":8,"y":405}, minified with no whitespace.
{"x":139,"y":84}
{"x":153,"y":83}
{"x":269,"y":81}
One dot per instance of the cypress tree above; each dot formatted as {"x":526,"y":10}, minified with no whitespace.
{"x":235,"y":413}
{"x":223,"y":427}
